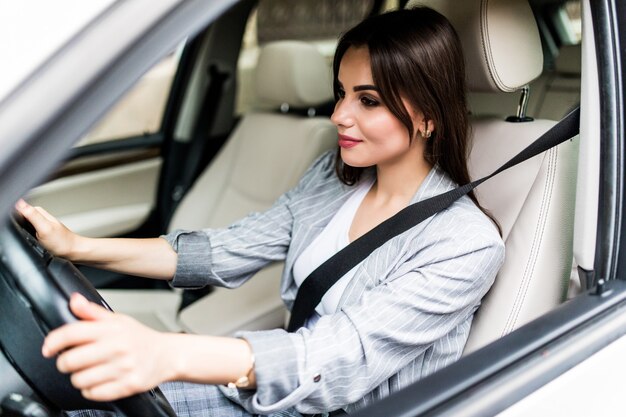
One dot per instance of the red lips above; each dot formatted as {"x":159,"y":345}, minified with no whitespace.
{"x":348,"y":141}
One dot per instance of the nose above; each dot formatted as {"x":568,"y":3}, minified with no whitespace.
{"x":342,"y":116}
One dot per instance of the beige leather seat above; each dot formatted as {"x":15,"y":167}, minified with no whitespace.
{"x":533,"y":202}
{"x":552,"y":95}
{"x":264,"y":157}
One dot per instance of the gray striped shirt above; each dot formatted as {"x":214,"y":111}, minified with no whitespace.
{"x":405,"y":314}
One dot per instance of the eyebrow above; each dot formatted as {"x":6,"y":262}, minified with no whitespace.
{"x":363,"y":87}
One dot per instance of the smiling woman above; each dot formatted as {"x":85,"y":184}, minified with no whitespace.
{"x":406,"y":105}
{"x":402,"y":313}
{"x":382,"y":326}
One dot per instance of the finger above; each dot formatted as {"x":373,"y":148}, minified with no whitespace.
{"x":84,"y":356}
{"x":20,"y":204}
{"x":97,"y":375}
{"x":86,"y":310}
{"x":110,"y":391}
{"x":70,"y":335}
{"x":46,"y":215}
{"x":39,"y":222}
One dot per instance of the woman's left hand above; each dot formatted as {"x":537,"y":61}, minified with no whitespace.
{"x":109,"y":355}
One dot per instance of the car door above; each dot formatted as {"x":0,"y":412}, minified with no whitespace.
{"x":108,"y":184}
{"x":126,"y":175}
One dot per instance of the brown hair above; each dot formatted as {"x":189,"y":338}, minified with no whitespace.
{"x":416,"y":54}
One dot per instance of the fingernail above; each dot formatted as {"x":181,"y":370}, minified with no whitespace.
{"x":45,"y":351}
{"x":78,"y":298}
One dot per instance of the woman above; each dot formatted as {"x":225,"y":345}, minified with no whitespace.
{"x":401,"y":314}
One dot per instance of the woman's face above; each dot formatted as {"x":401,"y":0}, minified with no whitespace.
{"x":369,"y":134}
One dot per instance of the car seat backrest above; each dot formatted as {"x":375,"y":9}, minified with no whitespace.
{"x":534,"y":201}
{"x":498,"y":41}
{"x":494,"y":73}
{"x":269,"y":150}
{"x":264,"y":157}
{"x":551,"y":96}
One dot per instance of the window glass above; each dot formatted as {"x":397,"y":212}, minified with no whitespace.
{"x":141,"y":110}
{"x":572,"y":9}
{"x":569,"y":23}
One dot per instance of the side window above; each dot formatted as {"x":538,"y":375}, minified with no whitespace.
{"x":140,"y":112}
{"x":317,"y":21}
{"x":557,"y":92}
{"x":568,"y":23}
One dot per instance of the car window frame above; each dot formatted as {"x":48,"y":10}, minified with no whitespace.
{"x":33,"y":149}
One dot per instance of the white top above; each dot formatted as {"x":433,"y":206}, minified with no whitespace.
{"x":331,"y":240}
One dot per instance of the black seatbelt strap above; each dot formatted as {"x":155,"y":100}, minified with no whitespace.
{"x":326,"y":275}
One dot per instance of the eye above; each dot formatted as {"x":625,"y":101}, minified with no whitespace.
{"x":341,"y":93}
{"x":369,"y":101}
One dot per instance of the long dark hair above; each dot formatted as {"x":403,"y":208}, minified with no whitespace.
{"x":416,"y":54}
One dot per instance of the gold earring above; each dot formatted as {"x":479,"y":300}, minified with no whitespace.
{"x":426,"y":133}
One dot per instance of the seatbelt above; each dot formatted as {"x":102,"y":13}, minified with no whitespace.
{"x":327,"y":274}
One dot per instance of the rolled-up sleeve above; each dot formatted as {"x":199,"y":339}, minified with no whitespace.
{"x":193,"y":266}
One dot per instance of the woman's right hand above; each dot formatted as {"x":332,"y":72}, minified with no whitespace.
{"x":51,"y":233}
{"x":150,"y":258}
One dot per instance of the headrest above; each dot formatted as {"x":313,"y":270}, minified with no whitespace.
{"x":500,"y":41}
{"x":568,"y":60}
{"x":293,"y":72}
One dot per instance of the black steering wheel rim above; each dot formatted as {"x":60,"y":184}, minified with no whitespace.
{"x":35,"y":287}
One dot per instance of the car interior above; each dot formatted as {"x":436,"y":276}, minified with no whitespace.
{"x":285,"y":121}
{"x":239,"y":112}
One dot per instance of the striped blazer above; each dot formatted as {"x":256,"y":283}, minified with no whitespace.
{"x":405,"y":314}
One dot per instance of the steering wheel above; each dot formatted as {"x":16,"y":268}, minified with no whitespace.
{"x":35,"y":288}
